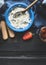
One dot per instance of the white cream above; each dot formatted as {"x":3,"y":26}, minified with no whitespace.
{"x":19,"y":22}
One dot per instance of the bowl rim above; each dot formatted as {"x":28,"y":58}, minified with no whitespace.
{"x":8,"y":22}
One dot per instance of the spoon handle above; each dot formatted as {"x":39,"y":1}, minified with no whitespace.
{"x":31,"y":5}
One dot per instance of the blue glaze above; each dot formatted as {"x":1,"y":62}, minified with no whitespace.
{"x":8,"y":22}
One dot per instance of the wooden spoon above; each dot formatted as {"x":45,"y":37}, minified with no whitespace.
{"x":23,"y":11}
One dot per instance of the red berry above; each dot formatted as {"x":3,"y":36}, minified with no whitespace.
{"x":27,"y":36}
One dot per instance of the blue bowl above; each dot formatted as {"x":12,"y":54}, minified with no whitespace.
{"x":10,"y":9}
